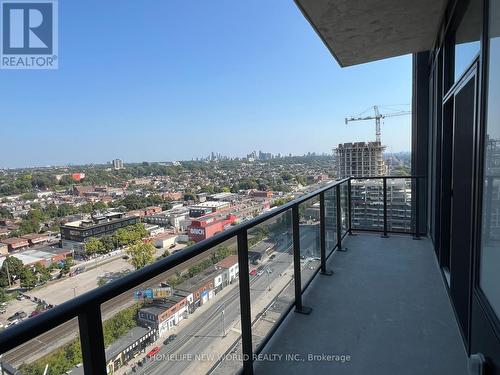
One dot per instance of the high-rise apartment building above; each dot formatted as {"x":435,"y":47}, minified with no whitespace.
{"x":356,"y":159}
{"x":117,"y":164}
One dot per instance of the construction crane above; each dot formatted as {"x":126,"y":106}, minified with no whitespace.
{"x":378,"y":116}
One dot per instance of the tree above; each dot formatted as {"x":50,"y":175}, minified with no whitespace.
{"x":68,"y":262}
{"x":3,"y":295}
{"x":93,"y":246}
{"x":10,"y":271}
{"x":5,"y":213}
{"x":28,"y":278}
{"x":100,"y":206}
{"x":42,"y":273}
{"x":141,"y":254}
{"x":165,"y":254}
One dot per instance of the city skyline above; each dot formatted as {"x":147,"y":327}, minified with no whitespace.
{"x":226,"y":77}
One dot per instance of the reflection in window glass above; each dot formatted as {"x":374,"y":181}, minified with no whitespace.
{"x":467,"y":38}
{"x":490,"y":247}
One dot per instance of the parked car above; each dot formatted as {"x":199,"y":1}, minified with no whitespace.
{"x":169,"y":339}
{"x":260,"y":273}
{"x":17,"y":315}
{"x":253,"y":272}
{"x":272,"y":256}
{"x":14,"y":322}
{"x":20,"y":297}
{"x":35,"y":313}
{"x":153,"y":352}
{"x":2,"y":310}
{"x":172,"y":246}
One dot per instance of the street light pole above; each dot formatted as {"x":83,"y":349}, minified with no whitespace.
{"x":268,"y":280}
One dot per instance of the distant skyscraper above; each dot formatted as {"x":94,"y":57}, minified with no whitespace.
{"x":117,"y":164}
{"x":360,"y":159}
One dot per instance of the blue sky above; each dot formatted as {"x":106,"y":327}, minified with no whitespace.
{"x":172,"y":80}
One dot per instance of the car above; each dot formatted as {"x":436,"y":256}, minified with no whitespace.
{"x":14,"y":322}
{"x":269,"y":270}
{"x":172,"y":246}
{"x":253,"y":272}
{"x":20,"y":297}
{"x":35,"y":313}
{"x":2,"y":310}
{"x":169,"y":339}
{"x":125,"y":257}
{"x":17,"y":315}
{"x":316,"y":258}
{"x":272,"y":256}
{"x":153,"y":352}
{"x":260,"y":273}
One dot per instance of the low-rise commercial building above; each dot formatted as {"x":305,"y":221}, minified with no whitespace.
{"x":76,"y":233}
{"x":15,"y":243}
{"x":207,"y":207}
{"x":207,"y":226}
{"x":230,"y":265}
{"x":128,"y":346}
{"x":164,"y":314}
{"x":36,"y":239}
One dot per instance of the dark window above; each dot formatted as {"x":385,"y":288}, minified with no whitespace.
{"x":490,"y":246}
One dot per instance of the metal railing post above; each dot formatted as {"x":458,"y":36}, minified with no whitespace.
{"x":417,"y":211}
{"x":246,"y":318}
{"x":384,"y":179}
{"x":322,"y":234}
{"x":349,"y":197}
{"x":299,"y":308}
{"x":92,"y":340}
{"x":339,"y":219}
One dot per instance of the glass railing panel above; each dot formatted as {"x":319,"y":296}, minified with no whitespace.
{"x":309,"y":231}
{"x":399,"y":205}
{"x":55,"y":352}
{"x":182,"y":321}
{"x":270,"y":249}
{"x":367,"y":204}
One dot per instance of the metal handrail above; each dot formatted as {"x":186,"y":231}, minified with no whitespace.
{"x":87,"y":307}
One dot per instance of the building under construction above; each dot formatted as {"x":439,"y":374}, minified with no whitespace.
{"x":360,"y":159}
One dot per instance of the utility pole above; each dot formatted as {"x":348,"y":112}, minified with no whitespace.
{"x":223,"y":323}
{"x":268,"y":280}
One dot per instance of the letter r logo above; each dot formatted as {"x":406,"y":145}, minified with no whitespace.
{"x":27,"y":28}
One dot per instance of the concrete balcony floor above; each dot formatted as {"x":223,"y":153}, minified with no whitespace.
{"x":386,"y":306}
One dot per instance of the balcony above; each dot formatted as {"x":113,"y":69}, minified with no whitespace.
{"x":385,"y":305}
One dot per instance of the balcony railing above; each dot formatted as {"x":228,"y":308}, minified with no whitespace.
{"x":306,"y":230}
